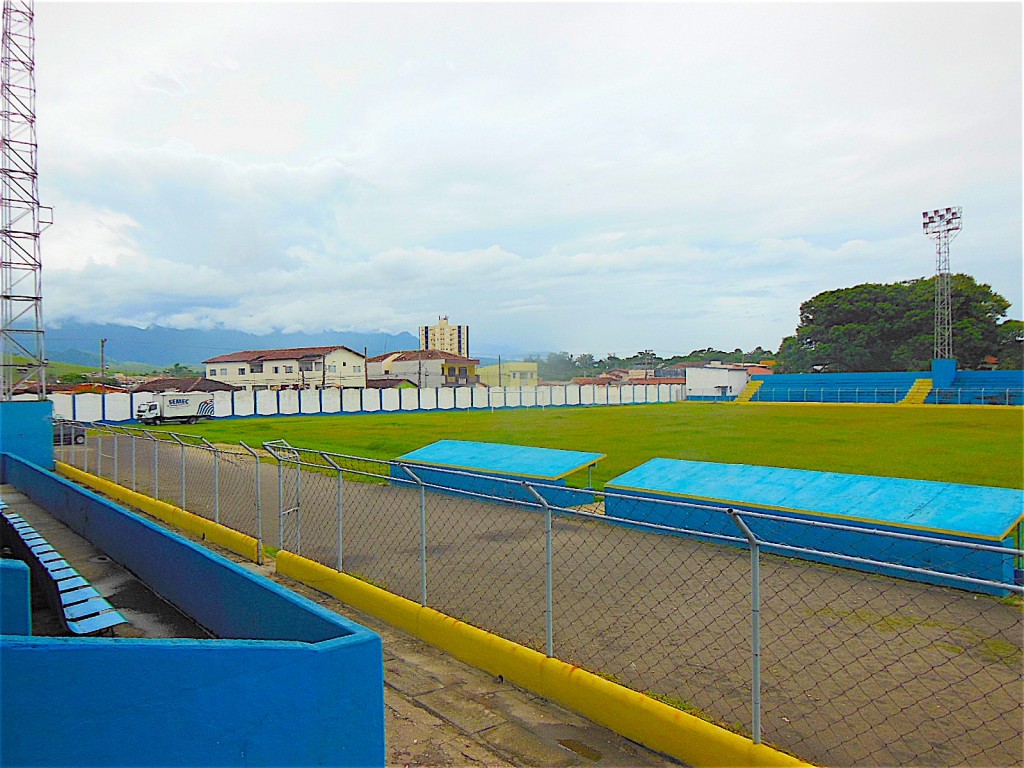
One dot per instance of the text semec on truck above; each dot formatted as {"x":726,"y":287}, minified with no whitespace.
{"x":176,"y":406}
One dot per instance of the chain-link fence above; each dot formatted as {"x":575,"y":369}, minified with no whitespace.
{"x":842,"y":653}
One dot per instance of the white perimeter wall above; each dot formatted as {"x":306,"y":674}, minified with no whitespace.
{"x":119,"y":407}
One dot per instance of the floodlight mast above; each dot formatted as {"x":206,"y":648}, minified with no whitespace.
{"x":22,"y":218}
{"x":942,"y":225}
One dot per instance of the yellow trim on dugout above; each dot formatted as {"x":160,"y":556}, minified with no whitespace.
{"x":631,"y":714}
{"x":739,"y":504}
{"x":429,"y":464}
{"x":215,"y":533}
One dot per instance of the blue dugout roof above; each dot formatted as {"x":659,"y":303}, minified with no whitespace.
{"x":972,"y":511}
{"x":498,"y":459}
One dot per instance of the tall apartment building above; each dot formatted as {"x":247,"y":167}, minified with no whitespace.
{"x":453,"y":339}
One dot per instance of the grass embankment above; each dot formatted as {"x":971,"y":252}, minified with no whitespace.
{"x":977,"y":446}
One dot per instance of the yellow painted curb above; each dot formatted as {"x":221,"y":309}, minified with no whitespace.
{"x":215,"y":533}
{"x":656,"y":725}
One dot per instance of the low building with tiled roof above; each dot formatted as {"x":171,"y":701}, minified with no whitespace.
{"x":390,"y":384}
{"x":292,"y":368}
{"x":425,"y":368}
{"x":187,"y":384}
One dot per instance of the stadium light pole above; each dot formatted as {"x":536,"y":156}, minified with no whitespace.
{"x":942,"y":225}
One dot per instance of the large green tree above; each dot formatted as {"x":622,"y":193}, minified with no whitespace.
{"x":874,"y":327}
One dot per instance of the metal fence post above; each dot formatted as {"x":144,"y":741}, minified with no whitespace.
{"x":115,"y":459}
{"x":280,"y":503}
{"x":298,"y":503}
{"x":755,"y":618}
{"x":181,"y":442}
{"x":259,"y":506}
{"x":134,"y":470}
{"x":216,"y":479}
{"x":423,"y":534}
{"x":341,"y":519}
{"x":273,"y":447}
{"x":549,"y":575}
{"x":156,"y":465}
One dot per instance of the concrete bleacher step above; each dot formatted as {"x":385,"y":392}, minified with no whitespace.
{"x":749,"y":391}
{"x":918,"y":392}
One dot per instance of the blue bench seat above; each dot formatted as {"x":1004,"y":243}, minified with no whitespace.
{"x":82,"y":609}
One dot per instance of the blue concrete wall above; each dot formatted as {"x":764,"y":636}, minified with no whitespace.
{"x":70,"y":701}
{"x":296,"y":685}
{"x":15,"y":598}
{"x":26,"y":429}
{"x":943,"y":372}
{"x":658,"y":492}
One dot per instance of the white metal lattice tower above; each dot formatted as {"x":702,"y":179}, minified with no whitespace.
{"x":21,"y":313}
{"x":942,"y":226}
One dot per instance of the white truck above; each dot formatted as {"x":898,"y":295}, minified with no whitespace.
{"x":189,"y":407}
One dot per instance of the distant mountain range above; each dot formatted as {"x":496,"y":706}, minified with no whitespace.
{"x":158,"y":347}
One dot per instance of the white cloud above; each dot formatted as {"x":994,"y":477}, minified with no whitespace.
{"x":594,"y":177}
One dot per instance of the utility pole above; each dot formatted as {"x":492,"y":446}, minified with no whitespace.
{"x":501,"y":382}
{"x":103,"y":361}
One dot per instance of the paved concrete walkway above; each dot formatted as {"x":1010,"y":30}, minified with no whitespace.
{"x":446,"y":713}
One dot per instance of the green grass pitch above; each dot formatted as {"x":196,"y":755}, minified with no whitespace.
{"x":977,"y":445}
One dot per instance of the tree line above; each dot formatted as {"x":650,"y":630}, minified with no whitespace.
{"x":869,"y":327}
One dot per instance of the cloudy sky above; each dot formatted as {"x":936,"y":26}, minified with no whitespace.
{"x":602,"y":178}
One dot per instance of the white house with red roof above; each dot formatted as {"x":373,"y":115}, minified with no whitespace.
{"x":296,"y":368}
{"x":425,"y":368}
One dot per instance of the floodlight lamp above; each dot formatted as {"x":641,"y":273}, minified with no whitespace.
{"x":941,"y":220}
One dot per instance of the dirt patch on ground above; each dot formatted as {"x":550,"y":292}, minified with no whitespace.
{"x":858,"y":669}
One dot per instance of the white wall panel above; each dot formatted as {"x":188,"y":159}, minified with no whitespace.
{"x":572,"y":394}
{"x":351,"y":400}
{"x":371,"y":400}
{"x":88,"y":407}
{"x":409,"y":399}
{"x":390,"y":399}
{"x":331,"y":400}
{"x":63,"y":406}
{"x":243,"y":403}
{"x":428,"y":398}
{"x":118,"y":406}
{"x":445,"y":398}
{"x":222,"y":405}
{"x":289,"y":401}
{"x":479,"y":397}
{"x":309,"y":401}
{"x":266,"y":403}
